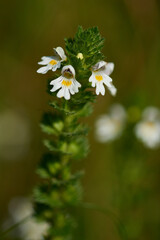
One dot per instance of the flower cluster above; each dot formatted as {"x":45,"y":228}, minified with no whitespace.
{"x":67,"y":83}
{"x":110,"y":126}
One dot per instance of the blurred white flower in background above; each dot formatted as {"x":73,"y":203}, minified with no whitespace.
{"x":148,"y":129}
{"x":15,"y":135}
{"x":110,"y":126}
{"x":21,"y":208}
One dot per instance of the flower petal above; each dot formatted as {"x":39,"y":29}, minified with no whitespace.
{"x":43,"y":70}
{"x":112,"y":89}
{"x":56,"y":87}
{"x":102,"y":89}
{"x":59,"y":51}
{"x":58,"y":65}
{"x":66,"y":93}
{"x":72,"y":90}
{"x":45,"y":60}
{"x":92,"y":80}
{"x":75,"y":85}
{"x":59,"y":79}
{"x":99,"y":65}
{"x":60,"y":94}
{"x":108,"y":82}
{"x":109,"y":68}
{"x":106,"y":79}
{"x":98,"y":88}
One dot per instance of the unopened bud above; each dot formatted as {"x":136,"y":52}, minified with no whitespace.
{"x":80,"y":56}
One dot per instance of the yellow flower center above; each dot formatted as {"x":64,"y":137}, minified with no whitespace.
{"x":99,"y":78}
{"x":53,"y":62}
{"x":66,"y":83}
{"x":150,"y":124}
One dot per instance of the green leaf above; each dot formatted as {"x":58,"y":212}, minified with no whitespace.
{"x":61,"y":109}
{"x":61,"y":147}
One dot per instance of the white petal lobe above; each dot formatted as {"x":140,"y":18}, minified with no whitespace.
{"x":43,"y":70}
{"x":109,"y":68}
{"x":60,"y":94}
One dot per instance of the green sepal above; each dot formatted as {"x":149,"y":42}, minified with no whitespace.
{"x":60,"y":147}
{"x":79,"y":148}
{"x":81,"y":130}
{"x":56,"y":105}
{"x":51,"y":123}
{"x":85,"y":111}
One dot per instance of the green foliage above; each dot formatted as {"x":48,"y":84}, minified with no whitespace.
{"x":60,"y":188}
{"x":88,"y":42}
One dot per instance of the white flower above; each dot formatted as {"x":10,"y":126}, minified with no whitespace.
{"x":53,"y":62}
{"x":100,"y":76}
{"x":19,"y":209}
{"x":67,"y":83}
{"x":148,"y":129}
{"x":109,"y":127}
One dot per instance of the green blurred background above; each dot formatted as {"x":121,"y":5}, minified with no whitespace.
{"x":115,"y":177}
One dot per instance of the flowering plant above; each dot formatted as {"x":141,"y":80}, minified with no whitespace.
{"x":80,"y":63}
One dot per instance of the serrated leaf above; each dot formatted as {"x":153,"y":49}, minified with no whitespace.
{"x":61,"y":148}
{"x":61,"y":109}
{"x":43,"y":173}
{"x":48,"y":129}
